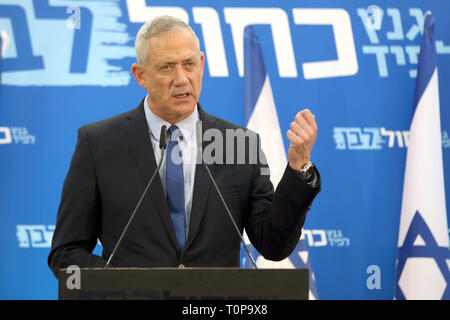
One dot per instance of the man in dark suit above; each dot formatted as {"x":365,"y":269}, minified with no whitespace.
{"x":181,"y":221}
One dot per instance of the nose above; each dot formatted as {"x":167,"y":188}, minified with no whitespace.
{"x":179,"y":75}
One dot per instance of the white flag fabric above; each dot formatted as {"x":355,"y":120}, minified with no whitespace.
{"x":423,"y":245}
{"x":264,"y":121}
{"x":260,"y":115}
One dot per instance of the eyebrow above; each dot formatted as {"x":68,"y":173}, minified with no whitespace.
{"x":192,"y":58}
{"x":188,"y":59}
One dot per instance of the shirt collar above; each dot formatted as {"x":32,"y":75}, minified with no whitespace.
{"x":187,"y":125}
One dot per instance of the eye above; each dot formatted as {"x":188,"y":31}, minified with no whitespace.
{"x":166,"y":68}
{"x":189,"y":65}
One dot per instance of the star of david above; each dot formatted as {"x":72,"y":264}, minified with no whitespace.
{"x":431,"y":249}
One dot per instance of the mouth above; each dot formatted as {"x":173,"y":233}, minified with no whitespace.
{"x":181,"y":95}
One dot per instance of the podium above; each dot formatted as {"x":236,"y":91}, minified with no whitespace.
{"x":183,"y":284}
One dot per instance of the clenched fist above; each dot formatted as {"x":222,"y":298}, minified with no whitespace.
{"x":302,"y":135}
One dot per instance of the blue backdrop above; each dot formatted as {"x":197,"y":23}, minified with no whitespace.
{"x":67,"y":63}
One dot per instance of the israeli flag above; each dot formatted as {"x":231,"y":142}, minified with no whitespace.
{"x":423,"y":245}
{"x":260,"y":115}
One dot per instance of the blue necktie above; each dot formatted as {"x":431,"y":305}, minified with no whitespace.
{"x":175,"y":185}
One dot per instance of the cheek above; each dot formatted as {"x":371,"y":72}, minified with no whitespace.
{"x":159,"y":88}
{"x":197,"y":84}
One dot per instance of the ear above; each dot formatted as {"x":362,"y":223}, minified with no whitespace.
{"x":202,"y":61}
{"x":138,"y":72}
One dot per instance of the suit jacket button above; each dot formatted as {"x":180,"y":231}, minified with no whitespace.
{"x":181,"y":266}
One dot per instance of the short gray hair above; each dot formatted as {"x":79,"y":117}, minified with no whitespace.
{"x":158,"y":25}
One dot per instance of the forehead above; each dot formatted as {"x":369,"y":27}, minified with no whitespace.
{"x":172,"y":45}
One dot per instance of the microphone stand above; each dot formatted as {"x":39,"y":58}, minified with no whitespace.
{"x":199,"y":148}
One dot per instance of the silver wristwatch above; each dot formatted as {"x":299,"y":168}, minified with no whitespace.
{"x":307,"y":170}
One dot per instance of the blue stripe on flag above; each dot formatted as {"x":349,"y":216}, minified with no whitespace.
{"x":254,"y":71}
{"x":427,"y":59}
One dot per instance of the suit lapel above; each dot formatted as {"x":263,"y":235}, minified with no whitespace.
{"x":202,"y":182}
{"x":139,"y":138}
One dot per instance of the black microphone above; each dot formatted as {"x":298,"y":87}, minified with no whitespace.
{"x":162,"y":146}
{"x":163,"y":139}
{"x":198,"y":128}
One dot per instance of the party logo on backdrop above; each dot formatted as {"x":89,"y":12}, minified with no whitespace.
{"x":374,"y":138}
{"x":34,"y":236}
{"x":392,"y":35}
{"x":62,"y":44}
{"x":325,"y":237}
{"x":88,"y":38}
{"x":16,"y":135}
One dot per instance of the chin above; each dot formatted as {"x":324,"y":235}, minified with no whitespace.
{"x":184,"y":110}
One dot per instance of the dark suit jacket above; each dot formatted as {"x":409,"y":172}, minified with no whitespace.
{"x":110,"y":168}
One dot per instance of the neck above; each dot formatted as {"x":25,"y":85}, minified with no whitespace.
{"x":169,"y":117}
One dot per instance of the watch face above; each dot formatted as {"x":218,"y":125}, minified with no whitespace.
{"x":309,"y":172}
